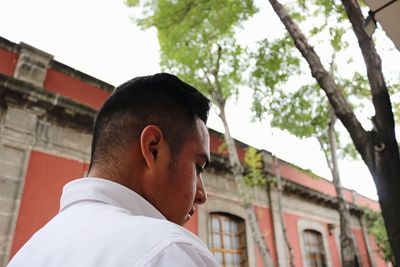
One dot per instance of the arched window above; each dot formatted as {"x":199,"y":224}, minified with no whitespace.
{"x":314,"y":248}
{"x":227,"y":240}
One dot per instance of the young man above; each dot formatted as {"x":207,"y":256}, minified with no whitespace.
{"x":150,"y":146}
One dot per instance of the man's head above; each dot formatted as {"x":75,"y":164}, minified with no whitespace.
{"x":150,"y":135}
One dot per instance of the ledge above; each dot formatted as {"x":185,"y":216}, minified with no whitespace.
{"x":316,"y":197}
{"x":64,"y":110}
{"x":221,"y":164}
{"x":8,"y":45}
{"x":58,"y":66}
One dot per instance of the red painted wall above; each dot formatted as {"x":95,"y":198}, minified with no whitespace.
{"x":295,"y":240}
{"x":369,"y":203}
{"x":324,"y":186}
{"x":75,"y":89}
{"x":291,"y":228}
{"x":8,"y":62}
{"x":265,"y":222}
{"x":299,"y":177}
{"x":362,"y":250}
{"x":45,"y":178}
{"x":333,"y":248}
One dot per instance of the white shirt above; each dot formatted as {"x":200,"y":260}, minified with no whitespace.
{"x":104,"y":224}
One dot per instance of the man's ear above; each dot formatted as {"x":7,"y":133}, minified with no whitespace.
{"x":151,"y":141}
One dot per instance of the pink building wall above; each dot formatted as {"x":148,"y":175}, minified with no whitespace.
{"x":46,"y":174}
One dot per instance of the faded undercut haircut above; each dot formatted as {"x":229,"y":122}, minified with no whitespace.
{"x":161,"y":99}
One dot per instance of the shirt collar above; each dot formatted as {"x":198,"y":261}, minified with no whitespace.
{"x":98,"y":189}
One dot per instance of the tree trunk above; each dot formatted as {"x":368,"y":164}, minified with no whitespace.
{"x":378,"y":148}
{"x":237,"y":170}
{"x":280,"y":210}
{"x":386,"y":174}
{"x":349,"y":257}
{"x":384,"y":164}
{"x":371,"y":256}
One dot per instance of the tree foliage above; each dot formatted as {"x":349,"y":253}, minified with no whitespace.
{"x":376,"y":227}
{"x":301,"y":107}
{"x":197,"y":40}
{"x":253,"y":161}
{"x":377,"y":146}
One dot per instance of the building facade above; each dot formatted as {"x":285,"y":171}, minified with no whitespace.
{"x":46,"y":116}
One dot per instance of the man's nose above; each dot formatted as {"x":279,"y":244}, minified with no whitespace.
{"x":201,"y":194}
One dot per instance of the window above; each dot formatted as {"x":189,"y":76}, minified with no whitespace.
{"x":227,"y":240}
{"x":314,"y":249}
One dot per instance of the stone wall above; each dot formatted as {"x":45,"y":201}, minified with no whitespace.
{"x":21,"y":131}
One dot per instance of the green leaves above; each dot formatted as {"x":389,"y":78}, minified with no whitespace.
{"x":394,"y":90}
{"x":254,"y":167}
{"x":376,"y":227}
{"x":197,"y":41}
{"x":275,"y":63}
{"x":303,"y":113}
{"x":337,"y":42}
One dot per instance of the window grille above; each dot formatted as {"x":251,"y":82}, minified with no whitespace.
{"x":227,"y":240}
{"x":314,"y":246}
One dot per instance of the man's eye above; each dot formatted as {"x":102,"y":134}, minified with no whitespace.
{"x":199,"y":169}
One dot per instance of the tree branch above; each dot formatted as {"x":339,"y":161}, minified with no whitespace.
{"x":217,"y":66}
{"x":218,"y":90}
{"x":211,"y":86}
{"x":340,"y":105}
{"x":384,"y":118}
{"x":326,"y":153}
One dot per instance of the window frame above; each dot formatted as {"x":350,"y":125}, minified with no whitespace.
{"x":308,"y":245}
{"x":216,"y":204}
{"x":302,"y":225}
{"x":224,"y":220}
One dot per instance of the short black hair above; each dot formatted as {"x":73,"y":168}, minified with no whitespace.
{"x":161,"y":99}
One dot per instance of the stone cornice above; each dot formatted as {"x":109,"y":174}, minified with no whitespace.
{"x":58,"y":66}
{"x":220,"y":164}
{"x":54,"y":106}
{"x":8,"y":45}
{"x":316,"y":197}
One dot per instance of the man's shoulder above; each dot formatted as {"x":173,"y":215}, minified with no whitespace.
{"x":179,"y":254}
{"x":161,"y":229}
{"x":114,"y":224}
{"x":162,"y":238}
{"x":174,"y":243}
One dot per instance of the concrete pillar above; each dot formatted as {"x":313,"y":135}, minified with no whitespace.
{"x":281,"y":248}
{"x":12,"y":167}
{"x":16,"y":130}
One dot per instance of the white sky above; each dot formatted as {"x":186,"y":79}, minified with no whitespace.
{"x":99,"y":38}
